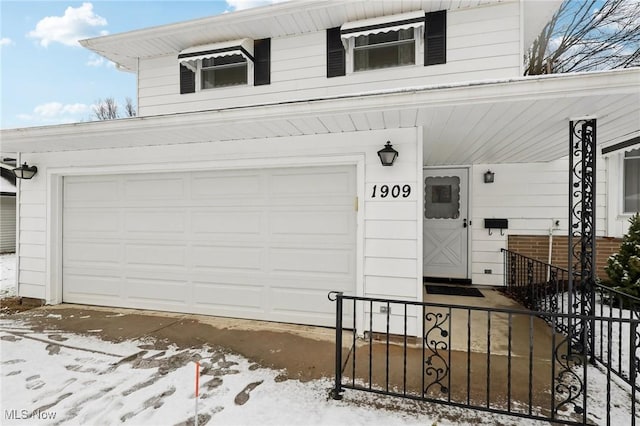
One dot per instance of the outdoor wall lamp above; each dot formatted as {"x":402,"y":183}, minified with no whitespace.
{"x":489,"y":176}
{"x":25,"y":171}
{"x":387,"y":155}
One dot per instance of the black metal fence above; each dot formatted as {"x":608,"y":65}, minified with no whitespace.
{"x":543,"y":287}
{"x":507,"y":361}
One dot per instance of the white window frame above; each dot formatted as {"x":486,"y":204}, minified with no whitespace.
{"x":200,"y":68}
{"x":418,"y":36}
{"x":622,"y":191}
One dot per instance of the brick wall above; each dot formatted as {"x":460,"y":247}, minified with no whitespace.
{"x":537,"y":247}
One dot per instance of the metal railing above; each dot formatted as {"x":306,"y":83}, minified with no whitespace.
{"x":542,"y":287}
{"x":496,"y":360}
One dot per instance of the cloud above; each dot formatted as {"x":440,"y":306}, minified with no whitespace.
{"x":6,"y":41}
{"x":56,"y":113}
{"x":76,"y":24}
{"x":248,"y":4}
{"x":99,"y":61}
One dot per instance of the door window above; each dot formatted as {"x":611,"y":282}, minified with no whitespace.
{"x":442,"y":197}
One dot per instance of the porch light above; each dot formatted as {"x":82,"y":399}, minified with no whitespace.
{"x":489,"y":176}
{"x":25,"y":171}
{"x":387,"y":154}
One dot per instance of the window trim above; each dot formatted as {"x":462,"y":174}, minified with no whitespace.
{"x":622,"y":168}
{"x":412,"y":20}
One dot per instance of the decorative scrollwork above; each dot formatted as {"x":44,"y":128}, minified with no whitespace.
{"x":568,"y":385}
{"x":436,"y":342}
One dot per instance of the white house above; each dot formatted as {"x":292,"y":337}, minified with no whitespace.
{"x":249,"y":185}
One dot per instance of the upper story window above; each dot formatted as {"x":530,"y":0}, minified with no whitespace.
{"x":414,"y":38}
{"x":225,"y":64}
{"x":631,"y":166}
{"x":223,"y":71}
{"x":383,"y":50}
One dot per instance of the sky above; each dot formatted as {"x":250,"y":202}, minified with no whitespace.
{"x":47,"y":78}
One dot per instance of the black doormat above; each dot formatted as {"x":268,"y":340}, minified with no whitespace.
{"x":453,"y":290}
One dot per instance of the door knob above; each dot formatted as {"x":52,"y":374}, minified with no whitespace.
{"x":464,"y":223}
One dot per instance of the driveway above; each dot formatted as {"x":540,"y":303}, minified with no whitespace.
{"x":84,"y":365}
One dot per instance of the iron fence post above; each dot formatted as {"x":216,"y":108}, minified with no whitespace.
{"x":337,"y":389}
{"x":634,"y":341}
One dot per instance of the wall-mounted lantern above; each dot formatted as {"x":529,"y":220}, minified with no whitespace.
{"x":387,"y":154}
{"x":25,"y":171}
{"x":489,"y":176}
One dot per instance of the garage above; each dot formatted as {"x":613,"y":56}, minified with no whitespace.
{"x":263,"y":244}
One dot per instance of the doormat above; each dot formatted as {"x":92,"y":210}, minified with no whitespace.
{"x":453,"y":290}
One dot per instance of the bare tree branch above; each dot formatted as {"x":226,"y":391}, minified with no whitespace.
{"x":106,"y":109}
{"x":588,"y":35}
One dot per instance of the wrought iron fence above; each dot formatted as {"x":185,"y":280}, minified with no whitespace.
{"x":507,"y":361}
{"x":542,"y":287}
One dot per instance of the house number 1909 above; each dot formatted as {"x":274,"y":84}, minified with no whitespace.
{"x":395,"y":191}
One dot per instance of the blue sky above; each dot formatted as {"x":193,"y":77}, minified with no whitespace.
{"x":47,"y":78}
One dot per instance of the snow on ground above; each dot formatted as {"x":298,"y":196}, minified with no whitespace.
{"x":7,"y":275}
{"x":54,"y":378}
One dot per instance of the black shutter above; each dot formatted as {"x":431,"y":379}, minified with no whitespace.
{"x":262,"y":63}
{"x":187,"y":80}
{"x":435,"y":38}
{"x":335,"y":53}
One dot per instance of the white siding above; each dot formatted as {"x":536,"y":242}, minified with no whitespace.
{"x":531,"y":196}
{"x":390,"y":270}
{"x":7,"y":224}
{"x":617,"y":221}
{"x":482,"y":43}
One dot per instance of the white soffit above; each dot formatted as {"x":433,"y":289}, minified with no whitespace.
{"x":382,"y":24}
{"x":242,"y":47}
{"x":502,"y":121}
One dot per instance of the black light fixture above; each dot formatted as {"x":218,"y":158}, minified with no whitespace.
{"x":387,"y":154}
{"x":489,"y":176}
{"x":25,"y":171}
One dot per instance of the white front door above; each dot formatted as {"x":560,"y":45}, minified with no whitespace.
{"x":445,"y":223}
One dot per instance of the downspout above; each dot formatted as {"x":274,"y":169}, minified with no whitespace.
{"x":554,"y":224}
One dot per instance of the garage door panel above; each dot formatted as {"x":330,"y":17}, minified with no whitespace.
{"x":138,"y":189}
{"x":162,"y":291}
{"x":93,"y":221}
{"x":205,"y":186}
{"x":85,"y":284}
{"x":93,"y":252}
{"x":155,"y":255}
{"x":150,"y":220}
{"x":228,"y":257}
{"x":311,"y":261}
{"x":228,"y":222}
{"x":295,"y":183}
{"x":262,"y":244}
{"x":310,"y":223}
{"x":92,"y":191}
{"x":237,"y":297}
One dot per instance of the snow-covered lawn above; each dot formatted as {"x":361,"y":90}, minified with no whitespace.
{"x":55,"y":378}
{"x":7,"y":275}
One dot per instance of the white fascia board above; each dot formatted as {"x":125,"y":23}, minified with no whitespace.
{"x":557,"y":86}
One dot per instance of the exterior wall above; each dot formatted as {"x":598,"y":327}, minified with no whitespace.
{"x":389,"y":231}
{"x":7,"y":224}
{"x":482,"y":43}
{"x":537,"y":247}
{"x":532,"y":196}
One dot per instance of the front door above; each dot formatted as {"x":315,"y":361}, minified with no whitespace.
{"x":445,"y":223}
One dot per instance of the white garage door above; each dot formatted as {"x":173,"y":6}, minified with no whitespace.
{"x":263,"y":244}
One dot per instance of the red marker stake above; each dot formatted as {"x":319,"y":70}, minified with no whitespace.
{"x":197,"y":389}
